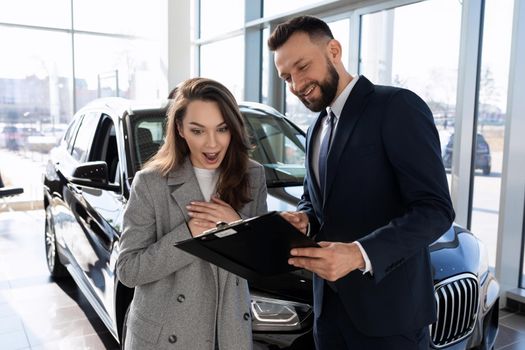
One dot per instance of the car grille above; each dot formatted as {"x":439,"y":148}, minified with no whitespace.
{"x":457,"y":308}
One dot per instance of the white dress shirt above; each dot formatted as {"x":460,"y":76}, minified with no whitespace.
{"x":336,"y":108}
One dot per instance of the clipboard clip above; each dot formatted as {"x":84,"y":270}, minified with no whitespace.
{"x":221,"y":224}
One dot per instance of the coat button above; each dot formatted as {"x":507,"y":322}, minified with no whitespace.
{"x":181,"y":298}
{"x":172,"y":339}
{"x":236,"y":281}
{"x":246,"y":316}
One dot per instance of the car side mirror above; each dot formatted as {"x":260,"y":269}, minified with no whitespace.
{"x":93,"y":174}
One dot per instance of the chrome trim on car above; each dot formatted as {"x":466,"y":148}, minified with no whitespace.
{"x":457,"y":303}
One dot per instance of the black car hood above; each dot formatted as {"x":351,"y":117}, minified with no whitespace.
{"x":455,"y":252}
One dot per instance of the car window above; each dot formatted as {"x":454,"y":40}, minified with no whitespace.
{"x":10,"y":129}
{"x":105,"y":148}
{"x":84,"y":138}
{"x":69,"y":136}
{"x":278,"y":146}
{"x":148,"y":136}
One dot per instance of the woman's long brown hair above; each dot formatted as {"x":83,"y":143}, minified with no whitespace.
{"x":233,"y":185}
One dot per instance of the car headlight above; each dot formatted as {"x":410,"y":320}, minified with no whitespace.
{"x":483,"y":265}
{"x":269,"y":314}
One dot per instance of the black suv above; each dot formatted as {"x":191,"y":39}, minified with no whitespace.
{"x":12,"y":137}
{"x":483,"y":159}
{"x":87,"y":184}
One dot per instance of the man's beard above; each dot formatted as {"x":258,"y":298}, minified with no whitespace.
{"x":328,"y":89}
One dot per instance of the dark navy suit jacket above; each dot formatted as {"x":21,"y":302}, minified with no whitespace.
{"x":386,"y":188}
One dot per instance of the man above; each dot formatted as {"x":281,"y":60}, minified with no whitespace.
{"x":375,"y":196}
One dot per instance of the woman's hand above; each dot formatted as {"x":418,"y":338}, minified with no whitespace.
{"x":215,"y":211}
{"x":197,"y":227}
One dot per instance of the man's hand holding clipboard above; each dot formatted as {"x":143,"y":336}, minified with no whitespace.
{"x":331,"y":261}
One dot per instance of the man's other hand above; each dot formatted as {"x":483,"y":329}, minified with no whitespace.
{"x":297,"y":218}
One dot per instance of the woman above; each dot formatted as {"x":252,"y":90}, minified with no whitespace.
{"x":201,"y":175}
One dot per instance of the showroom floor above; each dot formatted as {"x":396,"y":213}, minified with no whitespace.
{"x":37,"y":313}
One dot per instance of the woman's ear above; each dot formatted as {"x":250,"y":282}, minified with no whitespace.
{"x":179,"y":130}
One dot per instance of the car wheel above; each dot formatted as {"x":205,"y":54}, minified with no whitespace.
{"x":486,"y":170}
{"x":54,"y":265}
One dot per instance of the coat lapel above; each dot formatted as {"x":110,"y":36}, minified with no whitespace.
{"x":184,"y":187}
{"x":351,"y":113}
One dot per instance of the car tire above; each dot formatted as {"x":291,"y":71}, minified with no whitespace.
{"x":486,"y":170}
{"x":56,"y":268}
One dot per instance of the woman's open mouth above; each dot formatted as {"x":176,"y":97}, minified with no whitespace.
{"x":211,"y":158}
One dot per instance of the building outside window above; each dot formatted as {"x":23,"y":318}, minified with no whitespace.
{"x":491,"y":116}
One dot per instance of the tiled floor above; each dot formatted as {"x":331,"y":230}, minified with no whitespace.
{"x":37,"y":313}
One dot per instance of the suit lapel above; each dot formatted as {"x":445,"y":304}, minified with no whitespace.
{"x":309,"y":161}
{"x":352,"y":111}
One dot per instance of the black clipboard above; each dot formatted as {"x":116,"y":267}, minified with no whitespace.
{"x":254,"y":248}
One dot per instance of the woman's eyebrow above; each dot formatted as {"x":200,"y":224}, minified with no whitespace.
{"x":203,"y":126}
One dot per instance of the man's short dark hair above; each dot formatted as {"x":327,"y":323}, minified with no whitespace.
{"x":313,"y":26}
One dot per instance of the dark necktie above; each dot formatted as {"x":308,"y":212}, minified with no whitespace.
{"x":323,"y":151}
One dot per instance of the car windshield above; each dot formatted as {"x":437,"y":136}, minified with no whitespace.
{"x":277,"y":145}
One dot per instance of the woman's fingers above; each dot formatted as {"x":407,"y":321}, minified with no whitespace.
{"x":202,"y":206}
{"x":215,"y":211}
{"x":203,"y":216}
{"x":219,"y":201}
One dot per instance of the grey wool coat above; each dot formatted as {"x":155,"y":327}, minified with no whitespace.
{"x":180,"y":301}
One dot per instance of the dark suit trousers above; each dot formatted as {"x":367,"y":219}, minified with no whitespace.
{"x":333,"y":329}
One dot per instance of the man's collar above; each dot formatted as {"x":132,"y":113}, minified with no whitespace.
{"x":339,"y":103}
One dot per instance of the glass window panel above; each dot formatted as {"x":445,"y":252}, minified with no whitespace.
{"x":409,"y":47}
{"x":492,"y":108}
{"x":35,"y":85}
{"x":129,"y":17}
{"x":295,"y":110}
{"x":266,"y":62}
{"x":127,"y":68}
{"x":51,"y":13}
{"x":341,"y":31}
{"x":224,"y":61}
{"x":276,"y":7}
{"x":211,"y":23}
